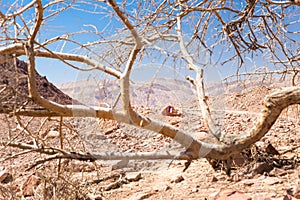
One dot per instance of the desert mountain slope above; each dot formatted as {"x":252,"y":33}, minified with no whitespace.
{"x":14,"y":77}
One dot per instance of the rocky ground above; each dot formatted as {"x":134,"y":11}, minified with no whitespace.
{"x":269,"y":170}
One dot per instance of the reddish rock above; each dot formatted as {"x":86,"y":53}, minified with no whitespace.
{"x":79,"y":166}
{"x":262,"y":168}
{"x":249,"y":182}
{"x":271,"y":150}
{"x":298,"y":172}
{"x":177,"y":179}
{"x":231,"y":194}
{"x":214,"y":179}
{"x":288,"y":197}
{"x":175,"y":122}
{"x":167,"y":187}
{"x":238,"y":160}
{"x":5,"y":177}
{"x":30,"y":185}
{"x":279,"y":172}
{"x":142,"y":195}
{"x":297,"y":192}
{"x":272,"y":180}
{"x":94,"y":197}
{"x":133,"y":176}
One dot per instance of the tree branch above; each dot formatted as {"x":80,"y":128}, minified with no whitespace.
{"x":213,"y":129}
{"x":125,"y":78}
{"x":289,"y":2}
{"x":273,"y":105}
{"x":38,"y":20}
{"x":18,"y":49}
{"x":55,"y":153}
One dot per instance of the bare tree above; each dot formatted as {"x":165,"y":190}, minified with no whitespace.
{"x":190,"y":34}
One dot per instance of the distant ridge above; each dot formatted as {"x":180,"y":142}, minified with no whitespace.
{"x":157,"y":92}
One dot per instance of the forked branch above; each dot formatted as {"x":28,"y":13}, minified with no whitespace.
{"x":199,"y":83}
{"x":273,"y":104}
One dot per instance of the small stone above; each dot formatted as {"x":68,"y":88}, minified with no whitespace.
{"x":79,"y":166}
{"x":249,"y":182}
{"x":120,"y":164}
{"x":110,"y":130}
{"x":94,"y":197}
{"x":232,"y":195}
{"x":167,"y":188}
{"x":272,"y":180}
{"x":30,"y":185}
{"x":271,"y":150}
{"x":238,"y":160}
{"x":113,"y":185}
{"x":5,"y":177}
{"x":288,"y":197}
{"x":174,"y":122}
{"x":177,"y":179}
{"x":298,"y":172}
{"x":278,"y":172}
{"x":265,"y":196}
{"x":297,"y":192}
{"x":214,"y":179}
{"x":262,"y":168}
{"x":123,"y":135}
{"x":52,"y":134}
{"x":141,"y":195}
{"x":133,"y":176}
{"x":194,"y":190}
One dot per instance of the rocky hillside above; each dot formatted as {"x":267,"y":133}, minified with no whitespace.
{"x":14,"y":85}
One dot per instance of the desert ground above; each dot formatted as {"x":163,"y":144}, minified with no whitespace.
{"x":267,"y":170}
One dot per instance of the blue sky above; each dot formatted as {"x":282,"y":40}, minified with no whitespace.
{"x":75,"y":20}
{"x":67,"y":22}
